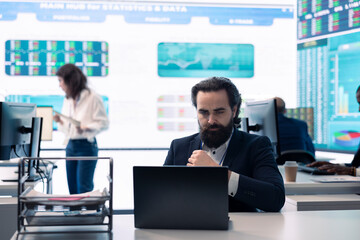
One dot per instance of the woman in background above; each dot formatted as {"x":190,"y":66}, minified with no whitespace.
{"x":86,"y":107}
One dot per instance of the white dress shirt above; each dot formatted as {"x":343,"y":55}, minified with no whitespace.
{"x":89,"y":110}
{"x":218,"y":155}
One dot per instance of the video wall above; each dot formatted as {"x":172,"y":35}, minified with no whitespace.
{"x":329,"y":72}
{"x":143,"y":58}
{"x":43,"y":58}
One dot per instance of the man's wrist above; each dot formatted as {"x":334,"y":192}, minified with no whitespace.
{"x":352,"y":171}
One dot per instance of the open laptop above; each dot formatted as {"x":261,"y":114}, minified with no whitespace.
{"x":180,"y":197}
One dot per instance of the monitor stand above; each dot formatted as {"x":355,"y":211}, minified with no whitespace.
{"x":33,"y":176}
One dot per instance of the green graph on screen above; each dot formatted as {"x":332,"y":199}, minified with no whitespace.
{"x":205,"y":60}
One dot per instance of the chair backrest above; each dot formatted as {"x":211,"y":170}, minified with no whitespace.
{"x":301,"y":156}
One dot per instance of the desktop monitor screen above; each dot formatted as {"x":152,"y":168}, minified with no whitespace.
{"x":36,"y":131}
{"x":34,"y":148}
{"x":262,"y":120}
{"x":15,"y":128}
{"x":46,"y":113}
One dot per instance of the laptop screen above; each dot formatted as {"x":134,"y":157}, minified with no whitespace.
{"x":180,"y":197}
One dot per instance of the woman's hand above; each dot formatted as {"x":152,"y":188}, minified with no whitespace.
{"x":82,"y":128}
{"x":57,"y":119}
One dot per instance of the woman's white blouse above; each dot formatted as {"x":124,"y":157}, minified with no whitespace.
{"x":89,"y":110}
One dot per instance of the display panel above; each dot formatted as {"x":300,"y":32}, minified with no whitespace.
{"x":205,"y":59}
{"x":47,"y":104}
{"x":320,"y":17}
{"x":328,"y":76}
{"x":44,"y":58}
{"x":149,"y":106}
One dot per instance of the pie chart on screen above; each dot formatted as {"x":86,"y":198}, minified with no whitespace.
{"x":347,"y":138}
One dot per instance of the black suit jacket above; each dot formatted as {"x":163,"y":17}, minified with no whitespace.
{"x":356,"y":161}
{"x":260,"y":184}
{"x":293,"y":135}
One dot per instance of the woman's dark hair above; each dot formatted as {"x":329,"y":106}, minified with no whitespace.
{"x":74,"y":79}
{"x":214,"y":84}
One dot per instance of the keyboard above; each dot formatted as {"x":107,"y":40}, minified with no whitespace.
{"x":313,"y":170}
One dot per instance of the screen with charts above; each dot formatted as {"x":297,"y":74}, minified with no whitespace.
{"x":143,"y":57}
{"x":328,"y":70}
{"x":44,"y":58}
{"x":205,"y":59}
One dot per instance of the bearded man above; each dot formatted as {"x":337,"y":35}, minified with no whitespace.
{"x":255,"y":182}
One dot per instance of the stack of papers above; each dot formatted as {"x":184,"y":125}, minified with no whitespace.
{"x":337,"y":179}
{"x":88,"y":198}
{"x":73,"y":121}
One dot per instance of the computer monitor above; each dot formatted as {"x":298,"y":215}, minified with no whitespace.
{"x":261,"y":119}
{"x":20,"y":134}
{"x":15,"y":129}
{"x":46,"y":113}
{"x":34,"y":148}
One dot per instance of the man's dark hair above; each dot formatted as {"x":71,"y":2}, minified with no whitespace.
{"x":214,"y":84}
{"x":74,"y":79}
{"x":280,"y":105}
{"x":358,"y":89}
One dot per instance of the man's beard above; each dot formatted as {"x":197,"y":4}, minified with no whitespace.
{"x":214,"y":139}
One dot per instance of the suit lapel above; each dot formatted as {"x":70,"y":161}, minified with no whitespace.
{"x":194,"y":145}
{"x":233,"y":148}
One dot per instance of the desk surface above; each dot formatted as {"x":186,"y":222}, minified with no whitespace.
{"x":304,"y":185}
{"x":319,"y":225}
{"x":8,"y":188}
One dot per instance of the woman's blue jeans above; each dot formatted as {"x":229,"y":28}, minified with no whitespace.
{"x":80,"y":173}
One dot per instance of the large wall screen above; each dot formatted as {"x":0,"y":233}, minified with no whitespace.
{"x":144,"y":57}
{"x":329,"y":72}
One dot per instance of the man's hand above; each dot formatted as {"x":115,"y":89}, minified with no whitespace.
{"x":200,"y":158}
{"x":335,"y":168}
{"x":331,"y":168}
{"x":318,"y":164}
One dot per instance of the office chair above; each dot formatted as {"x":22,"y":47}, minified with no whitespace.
{"x":300,"y":156}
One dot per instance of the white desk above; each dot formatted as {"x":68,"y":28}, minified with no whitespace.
{"x":304,"y":185}
{"x":11,"y":188}
{"x":8,"y":188}
{"x":319,"y":225}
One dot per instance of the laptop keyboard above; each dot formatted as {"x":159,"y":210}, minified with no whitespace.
{"x":313,"y":170}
